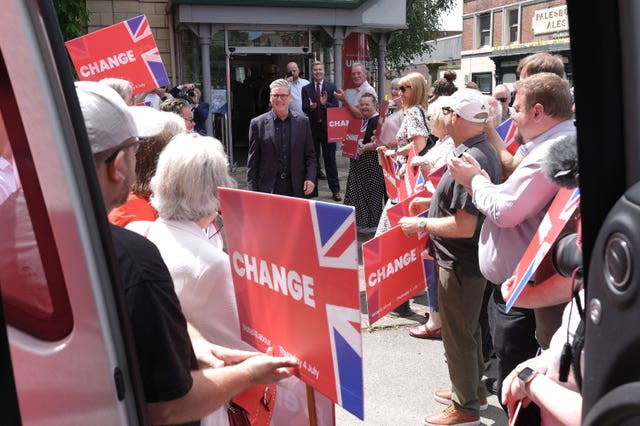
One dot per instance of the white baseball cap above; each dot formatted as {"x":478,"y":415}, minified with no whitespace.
{"x":108,"y":119}
{"x":469,"y":104}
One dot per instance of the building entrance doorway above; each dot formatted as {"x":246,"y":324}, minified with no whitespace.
{"x":250,"y":76}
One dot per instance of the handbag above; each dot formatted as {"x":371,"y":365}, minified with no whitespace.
{"x":238,"y":416}
{"x":431,"y":139}
{"x":253,"y":407}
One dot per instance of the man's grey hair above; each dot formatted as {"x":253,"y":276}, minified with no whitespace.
{"x":281,"y":82}
{"x":190,"y":170}
{"x":361,"y":65}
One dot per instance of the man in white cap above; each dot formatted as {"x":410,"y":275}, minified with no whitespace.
{"x":454,"y":226}
{"x":176,"y":391}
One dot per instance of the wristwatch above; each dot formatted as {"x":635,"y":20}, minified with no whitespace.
{"x":527,"y":374}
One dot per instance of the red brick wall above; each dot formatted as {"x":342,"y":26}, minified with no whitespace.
{"x":479,"y":6}
{"x":473,"y":6}
{"x":498,"y":18}
{"x":526,"y":18}
{"x":467,"y":34}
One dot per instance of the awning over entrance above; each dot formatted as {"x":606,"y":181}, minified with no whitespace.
{"x":364,"y":16}
{"x":345,"y":4}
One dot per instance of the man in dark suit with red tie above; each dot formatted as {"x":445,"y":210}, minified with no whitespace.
{"x":316,"y":98}
{"x":281,"y":158}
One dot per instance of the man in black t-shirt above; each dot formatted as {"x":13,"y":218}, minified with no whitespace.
{"x":176,"y":391}
{"x":454,"y":226}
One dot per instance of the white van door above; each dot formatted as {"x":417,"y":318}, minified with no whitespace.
{"x":70,"y":351}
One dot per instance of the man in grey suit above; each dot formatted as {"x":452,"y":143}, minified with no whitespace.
{"x":281,"y":156}
{"x":316,"y":98}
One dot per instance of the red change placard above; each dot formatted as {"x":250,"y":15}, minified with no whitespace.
{"x":124,"y":50}
{"x":393,"y":270}
{"x":294,"y":264}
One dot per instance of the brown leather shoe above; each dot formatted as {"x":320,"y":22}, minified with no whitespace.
{"x":452,"y":416}
{"x":443,"y":396}
{"x":422,"y":332}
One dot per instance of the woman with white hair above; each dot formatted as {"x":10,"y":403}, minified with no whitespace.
{"x":184,"y":188}
{"x":189,"y":172}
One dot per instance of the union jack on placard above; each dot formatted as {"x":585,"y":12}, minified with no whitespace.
{"x":138,"y":28}
{"x":560,"y":211}
{"x":335,"y":235}
{"x":154,"y":64}
{"x":346,"y":350}
{"x":507,"y":131}
{"x":363,"y":126}
{"x":420,"y":182}
{"x":572,"y":203}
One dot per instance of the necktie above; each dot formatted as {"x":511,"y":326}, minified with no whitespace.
{"x":318,"y":116}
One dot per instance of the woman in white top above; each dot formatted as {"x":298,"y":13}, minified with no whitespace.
{"x":190,"y":170}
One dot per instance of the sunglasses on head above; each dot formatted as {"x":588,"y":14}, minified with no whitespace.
{"x":404,"y":88}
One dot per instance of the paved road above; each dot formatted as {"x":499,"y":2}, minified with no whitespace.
{"x":400,"y":372}
{"x":400,"y":375}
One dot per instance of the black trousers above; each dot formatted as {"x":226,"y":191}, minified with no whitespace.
{"x":485,"y":329}
{"x":319,"y":133}
{"x":514,"y":341}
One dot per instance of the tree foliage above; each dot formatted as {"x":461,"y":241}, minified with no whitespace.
{"x":73,"y":16}
{"x":423,"y":23}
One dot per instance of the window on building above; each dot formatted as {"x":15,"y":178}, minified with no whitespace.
{"x":483,"y":80}
{"x":484,"y":30}
{"x":513,"y":21}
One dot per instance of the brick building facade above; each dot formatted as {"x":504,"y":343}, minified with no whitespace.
{"x":103,"y":13}
{"x":498,"y":33}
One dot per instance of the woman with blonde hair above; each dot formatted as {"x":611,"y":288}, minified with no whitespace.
{"x":414,"y":132}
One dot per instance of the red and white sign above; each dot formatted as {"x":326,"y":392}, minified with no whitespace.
{"x":433,"y":178}
{"x":296,"y":284}
{"x":393,"y":270}
{"x":338,"y":119}
{"x":413,"y":180}
{"x":354,"y":137}
{"x":390,"y":169}
{"x":507,"y":132}
{"x":560,"y":211}
{"x":355,"y":48}
{"x":400,"y":210}
{"x":124,"y":50}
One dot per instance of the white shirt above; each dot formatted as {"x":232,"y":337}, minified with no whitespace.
{"x":296,"y":94}
{"x":153,"y":100}
{"x":361,"y":90}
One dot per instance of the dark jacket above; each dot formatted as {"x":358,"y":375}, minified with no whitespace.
{"x":309,"y":94}
{"x":262,"y":161}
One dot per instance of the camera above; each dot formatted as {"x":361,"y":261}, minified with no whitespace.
{"x":288,"y":74}
{"x":188,"y":94}
{"x":567,"y":255}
